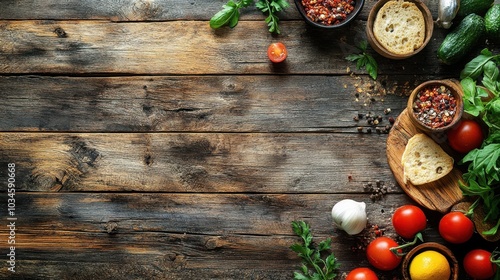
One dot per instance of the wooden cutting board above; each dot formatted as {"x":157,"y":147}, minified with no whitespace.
{"x":443,"y":195}
{"x":440,"y":195}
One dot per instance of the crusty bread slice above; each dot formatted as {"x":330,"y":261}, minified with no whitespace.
{"x":424,"y":161}
{"x":399,"y":27}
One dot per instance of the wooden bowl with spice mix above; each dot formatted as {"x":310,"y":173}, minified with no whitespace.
{"x":399,"y":29}
{"x":329,"y":14}
{"x":435,"y":106}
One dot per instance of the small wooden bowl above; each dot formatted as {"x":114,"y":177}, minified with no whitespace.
{"x":357,"y":8}
{"x":430,"y":246}
{"x":454,"y":88}
{"x":429,"y":28}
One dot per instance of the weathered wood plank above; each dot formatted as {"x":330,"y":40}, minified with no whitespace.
{"x":196,"y":162}
{"x":199,"y":103}
{"x":98,"y":47}
{"x":178,"y":234}
{"x":139,"y":10}
{"x":245,"y":236}
{"x":127,"y":10}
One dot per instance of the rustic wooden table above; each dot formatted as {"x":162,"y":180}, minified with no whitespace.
{"x":148,"y":146}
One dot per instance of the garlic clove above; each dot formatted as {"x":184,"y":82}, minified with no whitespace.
{"x":350,"y":216}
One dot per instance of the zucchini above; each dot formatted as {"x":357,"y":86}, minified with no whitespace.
{"x":478,"y":7}
{"x":492,"y":23}
{"x":462,"y":39}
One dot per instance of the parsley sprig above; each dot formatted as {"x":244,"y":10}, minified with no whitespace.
{"x":230,"y":13}
{"x":481,"y":86}
{"x":313,"y":266}
{"x":364,"y":59}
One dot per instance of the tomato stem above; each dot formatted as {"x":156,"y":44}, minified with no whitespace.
{"x":495,"y":257}
{"x":398,"y":250}
{"x":471,"y":209}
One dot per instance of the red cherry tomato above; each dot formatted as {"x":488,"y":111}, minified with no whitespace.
{"x":362,"y":273}
{"x":477,"y":264}
{"x":465,"y":136}
{"x":379,"y":254}
{"x":409,"y":220}
{"x":277,"y":52}
{"x":456,"y":228}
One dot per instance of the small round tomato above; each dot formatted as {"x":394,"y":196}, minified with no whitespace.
{"x":456,"y":228}
{"x":277,"y":52}
{"x":379,"y":253}
{"x":362,"y":273}
{"x":409,"y":220}
{"x":465,"y":136}
{"x":477,"y":264}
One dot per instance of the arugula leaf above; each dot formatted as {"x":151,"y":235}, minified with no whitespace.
{"x":272,"y":7}
{"x":365,"y":60}
{"x":482,"y":178}
{"x":313,"y":266}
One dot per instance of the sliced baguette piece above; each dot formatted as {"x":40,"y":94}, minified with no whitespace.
{"x":424,"y":161}
{"x":399,"y":27}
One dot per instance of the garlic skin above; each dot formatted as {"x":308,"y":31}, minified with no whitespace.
{"x":350,"y":216}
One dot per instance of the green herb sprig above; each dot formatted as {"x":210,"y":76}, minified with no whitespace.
{"x":364,"y":59}
{"x":313,"y":266}
{"x":480,"y":80}
{"x":230,"y":13}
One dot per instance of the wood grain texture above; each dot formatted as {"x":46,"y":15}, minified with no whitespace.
{"x":194,"y":162}
{"x":142,"y":10}
{"x":157,"y":48}
{"x":247,"y":103}
{"x":149,"y":146}
{"x":245,"y":236}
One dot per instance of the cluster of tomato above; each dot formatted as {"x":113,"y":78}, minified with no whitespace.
{"x":408,"y":221}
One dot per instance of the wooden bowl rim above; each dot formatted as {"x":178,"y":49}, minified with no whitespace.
{"x":429,"y":29}
{"x":440,"y":248}
{"x":456,"y":90}
{"x":357,"y":9}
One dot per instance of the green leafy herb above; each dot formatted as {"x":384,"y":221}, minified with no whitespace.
{"x":271,"y":8}
{"x":364,"y":59}
{"x":481,"y":86}
{"x":313,"y":266}
{"x":230,"y":13}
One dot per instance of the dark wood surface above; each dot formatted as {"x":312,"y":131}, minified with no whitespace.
{"x":149,"y":146}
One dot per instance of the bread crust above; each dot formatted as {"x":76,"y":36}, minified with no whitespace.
{"x":399,"y":27}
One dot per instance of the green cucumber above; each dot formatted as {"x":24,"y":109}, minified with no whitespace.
{"x":478,"y":7}
{"x":462,"y":39}
{"x":492,"y":23}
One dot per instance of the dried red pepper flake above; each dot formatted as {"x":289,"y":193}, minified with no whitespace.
{"x":328,"y":12}
{"x":435,"y":106}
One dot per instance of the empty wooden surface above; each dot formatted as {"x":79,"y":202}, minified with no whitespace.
{"x":149,"y":146}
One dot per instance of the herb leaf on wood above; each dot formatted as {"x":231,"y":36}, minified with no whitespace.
{"x":313,"y":266}
{"x":230,"y":13}
{"x":365,"y":60}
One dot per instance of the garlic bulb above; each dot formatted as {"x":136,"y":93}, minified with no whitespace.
{"x":350,"y":216}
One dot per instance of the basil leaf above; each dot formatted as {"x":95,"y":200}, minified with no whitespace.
{"x":490,"y":77}
{"x":474,"y":68}
{"x":472,"y":101}
{"x":233,"y":21}
{"x":224,"y":16}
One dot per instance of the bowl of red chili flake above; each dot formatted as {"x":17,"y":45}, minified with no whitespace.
{"x":436,"y":105}
{"x":329,"y":14}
